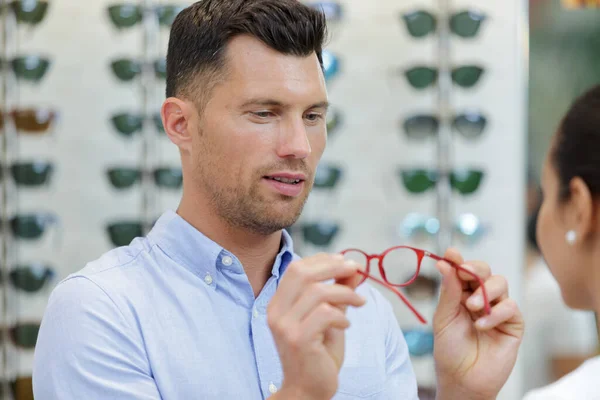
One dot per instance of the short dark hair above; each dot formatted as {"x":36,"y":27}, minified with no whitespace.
{"x":576,"y":149}
{"x":201,"y":32}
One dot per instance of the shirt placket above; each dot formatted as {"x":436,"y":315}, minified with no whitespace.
{"x":267,"y":357}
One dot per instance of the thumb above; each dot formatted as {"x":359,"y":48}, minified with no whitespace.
{"x":450,"y":296}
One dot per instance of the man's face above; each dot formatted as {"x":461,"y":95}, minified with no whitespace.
{"x":260,"y":137}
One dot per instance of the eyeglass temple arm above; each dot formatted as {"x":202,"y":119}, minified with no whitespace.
{"x":399,"y":294}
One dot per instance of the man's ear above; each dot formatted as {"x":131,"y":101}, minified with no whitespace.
{"x":178,"y":121}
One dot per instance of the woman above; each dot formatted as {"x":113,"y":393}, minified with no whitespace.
{"x":568,"y":230}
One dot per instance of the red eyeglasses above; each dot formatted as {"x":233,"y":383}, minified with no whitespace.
{"x":404,"y":258}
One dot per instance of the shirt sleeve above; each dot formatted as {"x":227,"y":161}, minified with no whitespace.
{"x":401,"y":380}
{"x":86,"y":349}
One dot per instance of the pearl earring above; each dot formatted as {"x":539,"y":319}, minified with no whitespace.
{"x":571,"y":236}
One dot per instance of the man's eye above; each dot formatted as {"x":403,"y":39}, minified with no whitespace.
{"x":313,"y":117}
{"x":263,"y":114}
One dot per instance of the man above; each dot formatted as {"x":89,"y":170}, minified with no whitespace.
{"x":213,"y":303}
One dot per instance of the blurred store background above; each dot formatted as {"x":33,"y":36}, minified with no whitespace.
{"x":442,"y":113}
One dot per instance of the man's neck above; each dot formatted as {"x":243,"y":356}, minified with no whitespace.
{"x":256,"y":252}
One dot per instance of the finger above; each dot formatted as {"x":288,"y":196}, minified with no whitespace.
{"x":318,"y":293}
{"x":453,"y":255}
{"x":496,"y":289}
{"x":302,"y":273}
{"x":504,"y":312}
{"x":450,"y":296}
{"x":322,"y":318}
{"x":472,"y":271}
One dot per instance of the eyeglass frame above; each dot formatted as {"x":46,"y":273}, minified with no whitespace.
{"x":421,"y":254}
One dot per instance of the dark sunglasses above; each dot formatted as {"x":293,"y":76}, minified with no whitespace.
{"x":331,"y":65}
{"x":127,"y":69}
{"x":465,"y":24}
{"x":334,"y":121}
{"x":30,"y":173}
{"x":128,"y":15}
{"x":331,"y":10}
{"x":470,"y":125}
{"x":24,"y":335}
{"x":467,"y":226}
{"x":124,"y":177}
{"x":327,"y":176}
{"x":35,"y":173}
{"x":31,"y":226}
{"x":129,"y":123}
{"x":31,"y":278}
{"x":420,"y":342}
{"x":123,"y":233}
{"x":320,"y":233}
{"x":33,"y":121}
{"x":30,"y":68}
{"x":465,"y":181}
{"x":421,"y":77}
{"x":30,"y":12}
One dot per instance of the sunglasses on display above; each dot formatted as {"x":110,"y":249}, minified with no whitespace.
{"x":30,"y":12}
{"x":29,"y":68}
{"x":419,"y":342}
{"x":127,"y":69}
{"x":129,"y":15}
{"x":404,"y":262}
{"x":470,"y":125}
{"x":331,"y":65}
{"x":419,"y":180}
{"x":426,"y":393}
{"x":332,"y":10}
{"x":465,"y":24}
{"x":24,"y":335}
{"x":32,"y":226}
{"x":421,"y":77}
{"x":22,"y":388}
{"x":31,"y":121}
{"x":32,"y":277}
{"x":30,"y":174}
{"x":125,"y":177}
{"x":467,"y":226}
{"x":334,"y":121}
{"x":129,"y":123}
{"x":424,"y":288}
{"x":327,"y":176}
{"x":320,"y":233}
{"x":122,"y":233}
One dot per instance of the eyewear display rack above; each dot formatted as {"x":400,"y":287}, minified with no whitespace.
{"x":150,"y":28}
{"x":9,"y":148}
{"x":444,"y":139}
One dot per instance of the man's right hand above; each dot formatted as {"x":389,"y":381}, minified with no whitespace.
{"x":307,"y":318}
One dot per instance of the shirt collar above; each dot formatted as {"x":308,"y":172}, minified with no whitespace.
{"x":189,"y":247}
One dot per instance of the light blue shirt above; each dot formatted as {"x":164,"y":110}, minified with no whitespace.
{"x":173,"y":316}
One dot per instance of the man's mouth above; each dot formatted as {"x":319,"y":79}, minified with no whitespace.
{"x":290,"y":181}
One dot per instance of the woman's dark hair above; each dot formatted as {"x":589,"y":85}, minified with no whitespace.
{"x":202,"y":31}
{"x":576,"y":149}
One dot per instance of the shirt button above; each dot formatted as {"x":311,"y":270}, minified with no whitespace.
{"x":272,"y":388}
{"x":227,"y":261}
{"x":255,"y":313}
{"x":208,"y":279}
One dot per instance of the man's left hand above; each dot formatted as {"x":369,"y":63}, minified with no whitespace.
{"x":474,"y":352}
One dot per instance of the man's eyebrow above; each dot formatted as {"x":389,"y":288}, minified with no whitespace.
{"x":276,"y":103}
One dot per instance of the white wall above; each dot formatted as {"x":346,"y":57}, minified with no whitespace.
{"x":371,"y":203}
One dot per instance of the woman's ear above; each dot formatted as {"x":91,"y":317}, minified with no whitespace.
{"x":177,"y":117}
{"x":581,"y":214}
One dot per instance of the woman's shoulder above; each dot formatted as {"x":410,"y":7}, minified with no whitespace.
{"x":583,"y":383}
